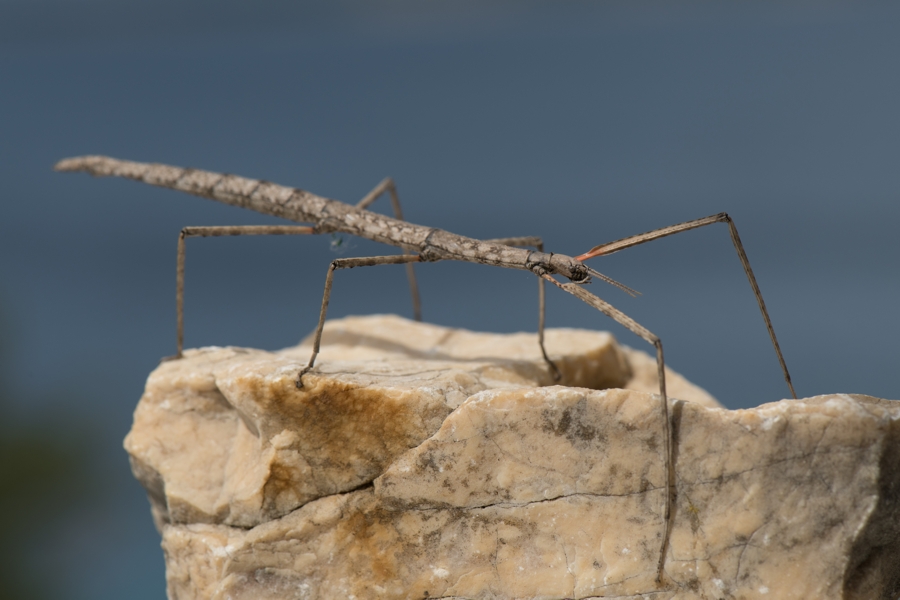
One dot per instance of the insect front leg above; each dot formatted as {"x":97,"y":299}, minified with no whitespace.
{"x":641,"y":331}
{"x":218,"y":231}
{"x":634,"y":240}
{"x":346,"y":263}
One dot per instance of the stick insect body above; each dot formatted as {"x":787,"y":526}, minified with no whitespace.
{"x":420,"y":244}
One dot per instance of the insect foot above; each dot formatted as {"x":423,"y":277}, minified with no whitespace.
{"x":299,"y":381}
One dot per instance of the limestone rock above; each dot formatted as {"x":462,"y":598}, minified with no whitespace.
{"x":224,"y":435}
{"x":422,"y":462}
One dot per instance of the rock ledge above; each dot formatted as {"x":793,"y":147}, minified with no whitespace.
{"x":425,"y":462}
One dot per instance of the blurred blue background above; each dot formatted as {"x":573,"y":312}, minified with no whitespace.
{"x":580,"y":122}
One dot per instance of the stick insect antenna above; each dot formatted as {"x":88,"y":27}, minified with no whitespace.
{"x":611,"y":281}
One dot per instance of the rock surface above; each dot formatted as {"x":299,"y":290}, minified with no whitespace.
{"x":424,"y":462}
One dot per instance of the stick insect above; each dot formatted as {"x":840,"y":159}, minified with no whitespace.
{"x":419,"y":244}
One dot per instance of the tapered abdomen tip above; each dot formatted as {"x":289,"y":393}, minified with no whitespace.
{"x":90,"y":164}
{"x":78,"y":163}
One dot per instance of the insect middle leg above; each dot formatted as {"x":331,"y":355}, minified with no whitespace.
{"x":346,"y":263}
{"x":538,"y":244}
{"x":217,"y":231}
{"x":634,"y":240}
{"x":388,"y":185}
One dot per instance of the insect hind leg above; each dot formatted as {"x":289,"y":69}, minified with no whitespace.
{"x":217,"y":231}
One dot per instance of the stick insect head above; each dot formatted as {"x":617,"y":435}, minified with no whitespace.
{"x":572,"y":269}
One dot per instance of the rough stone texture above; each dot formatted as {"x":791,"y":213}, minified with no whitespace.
{"x":422,"y":462}
{"x":224,"y":435}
